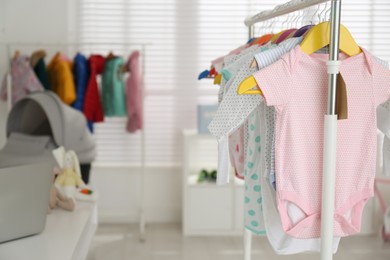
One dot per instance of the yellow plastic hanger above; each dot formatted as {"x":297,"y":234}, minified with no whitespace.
{"x":247,"y":88}
{"x":317,"y":38}
{"x":217,"y":79}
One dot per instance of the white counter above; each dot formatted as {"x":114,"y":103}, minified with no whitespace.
{"x":67,"y":236}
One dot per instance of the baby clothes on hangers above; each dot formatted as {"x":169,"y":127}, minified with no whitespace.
{"x":238,"y":107}
{"x":217,"y":126}
{"x":253,"y":216}
{"x":93,"y":109}
{"x":253,"y":208}
{"x":264,"y":59}
{"x":237,"y":142}
{"x":269,"y":57}
{"x":113,"y":88}
{"x":61,"y":78}
{"x":81,"y":76}
{"x":134,"y":94}
{"x":37,"y":61}
{"x":232,"y":63}
{"x":23,"y":78}
{"x":281,"y":242}
{"x":300,"y":101}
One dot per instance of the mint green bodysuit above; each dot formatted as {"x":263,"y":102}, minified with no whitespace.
{"x":113,"y":88}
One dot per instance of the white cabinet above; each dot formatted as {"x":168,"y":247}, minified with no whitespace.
{"x":208,"y":209}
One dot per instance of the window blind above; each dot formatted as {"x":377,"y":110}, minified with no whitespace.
{"x":185,"y":36}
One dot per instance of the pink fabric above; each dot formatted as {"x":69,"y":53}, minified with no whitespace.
{"x":237,"y":151}
{"x":24,"y":80}
{"x":296,"y":86}
{"x":134,"y":94}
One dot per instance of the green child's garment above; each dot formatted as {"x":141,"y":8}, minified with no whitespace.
{"x":113,"y":88}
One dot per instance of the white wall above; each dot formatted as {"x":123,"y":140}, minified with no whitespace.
{"x":24,"y":21}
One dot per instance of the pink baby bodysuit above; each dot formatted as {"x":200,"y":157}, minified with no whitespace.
{"x":296,"y":86}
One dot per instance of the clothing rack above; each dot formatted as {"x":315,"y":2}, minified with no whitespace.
{"x":142,"y":220}
{"x":330,"y":120}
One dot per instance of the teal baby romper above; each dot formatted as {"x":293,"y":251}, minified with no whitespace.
{"x":113,"y":88}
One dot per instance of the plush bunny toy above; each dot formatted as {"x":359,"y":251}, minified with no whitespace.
{"x":69,"y":179}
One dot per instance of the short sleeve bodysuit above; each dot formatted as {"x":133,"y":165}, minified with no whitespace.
{"x":299,"y":96}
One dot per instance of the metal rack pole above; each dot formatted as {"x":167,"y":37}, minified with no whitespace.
{"x":248,"y":234}
{"x":142,"y":221}
{"x":330,"y":137}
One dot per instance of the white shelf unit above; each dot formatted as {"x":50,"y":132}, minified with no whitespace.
{"x":208,"y":209}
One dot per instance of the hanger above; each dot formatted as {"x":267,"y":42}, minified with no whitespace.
{"x":291,"y":35}
{"x":285,"y":35}
{"x":250,"y":81}
{"x":217,"y":79}
{"x":317,"y":38}
{"x":203,"y":74}
{"x":110,"y":55}
{"x":262,"y":40}
{"x":250,"y":41}
{"x":276,"y":36}
{"x":301,"y":31}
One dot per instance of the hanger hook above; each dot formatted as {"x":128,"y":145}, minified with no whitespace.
{"x":287,"y":21}
{"x":291,"y":21}
{"x":327,"y":14}
{"x":273,"y":21}
{"x":297,"y":18}
{"x":314,"y":14}
{"x":260,"y":30}
{"x":320,"y":15}
{"x":302,"y":15}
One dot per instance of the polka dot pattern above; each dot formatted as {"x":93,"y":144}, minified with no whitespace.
{"x":232,"y":64}
{"x":299,"y":134}
{"x":234,"y":109}
{"x":254,"y":218}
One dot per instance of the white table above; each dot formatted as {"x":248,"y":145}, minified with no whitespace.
{"x":67,"y":236}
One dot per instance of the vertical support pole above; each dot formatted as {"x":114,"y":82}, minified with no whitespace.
{"x":9,"y":91}
{"x":251,"y":32}
{"x":247,"y":244}
{"x":330,"y":137}
{"x":247,"y":234}
{"x":142,"y":221}
{"x":9,"y":79}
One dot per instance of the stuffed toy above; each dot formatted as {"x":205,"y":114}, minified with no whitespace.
{"x":69,"y":178}
{"x":56,"y":199}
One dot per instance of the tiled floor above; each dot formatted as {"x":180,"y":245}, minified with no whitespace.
{"x":165,"y":242}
